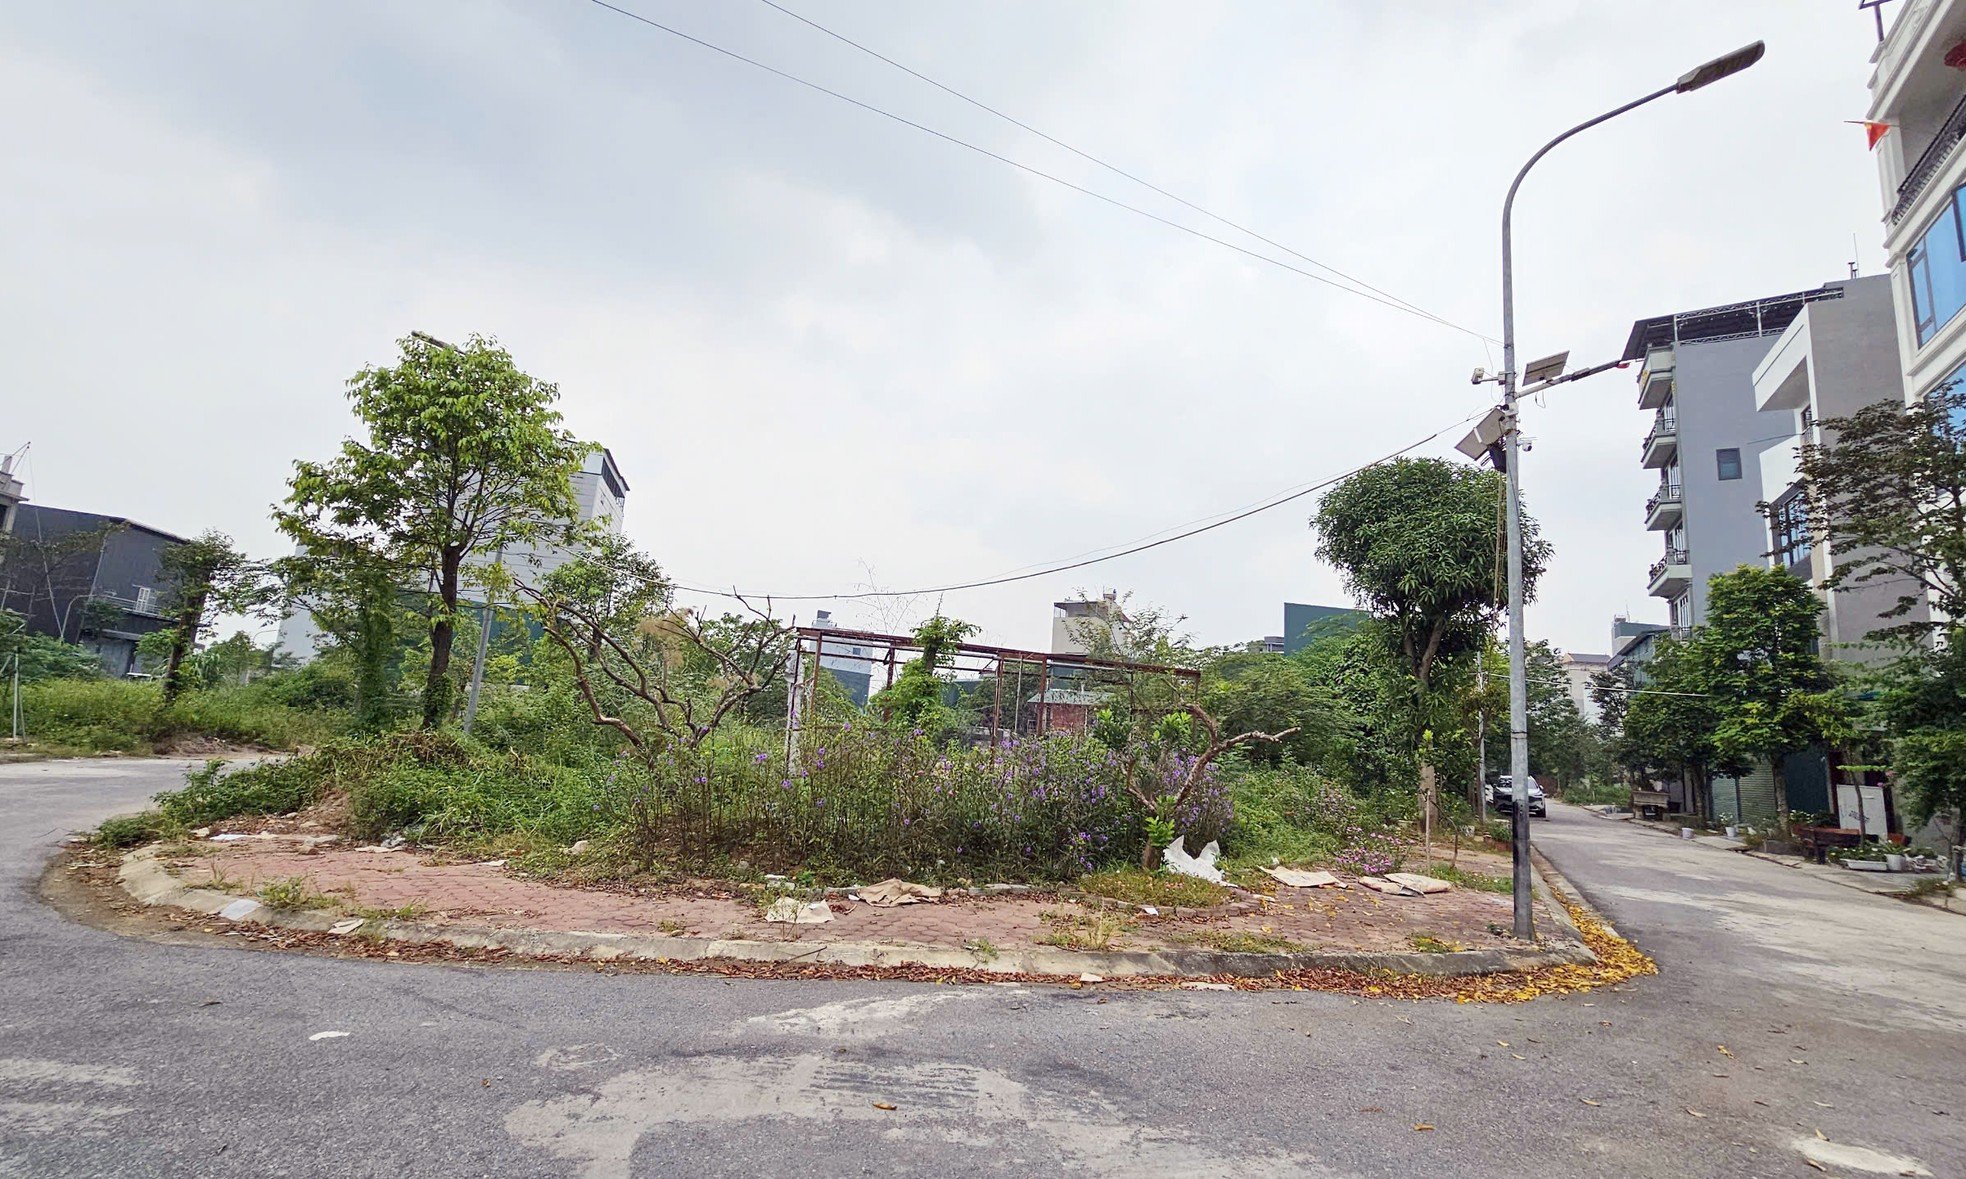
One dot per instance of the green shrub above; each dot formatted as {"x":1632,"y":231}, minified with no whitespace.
{"x":251,"y":714}
{"x":90,"y":716}
{"x":131,"y":830}
{"x":211,"y":794}
{"x":489,"y":796}
{"x":1594,"y":793}
{"x":127,"y":716}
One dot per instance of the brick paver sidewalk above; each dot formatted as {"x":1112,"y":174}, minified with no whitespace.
{"x":487,"y":894}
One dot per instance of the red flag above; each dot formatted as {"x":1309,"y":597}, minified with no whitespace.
{"x":1872,"y":131}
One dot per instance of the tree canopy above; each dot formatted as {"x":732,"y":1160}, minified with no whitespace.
{"x":1887,"y":488}
{"x":464,"y":454}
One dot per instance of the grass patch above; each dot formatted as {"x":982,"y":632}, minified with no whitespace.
{"x":1082,"y":931}
{"x":294,"y":892}
{"x":405,"y":912}
{"x":96,"y":716}
{"x":1162,"y":889}
{"x":1427,"y":943}
{"x":1931,"y":886}
{"x":983,"y":948}
{"x":1244,"y":942}
{"x":1478,"y":881}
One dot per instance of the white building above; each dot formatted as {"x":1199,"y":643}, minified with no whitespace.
{"x":1078,"y":626}
{"x":1919,"y":92}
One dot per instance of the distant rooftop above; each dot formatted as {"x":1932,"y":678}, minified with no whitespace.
{"x":1733,"y":321}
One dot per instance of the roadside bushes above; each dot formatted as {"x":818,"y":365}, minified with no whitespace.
{"x":1295,"y":814}
{"x":128,"y":716}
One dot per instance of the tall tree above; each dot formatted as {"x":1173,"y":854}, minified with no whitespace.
{"x":1669,"y":719}
{"x":1417,"y":543}
{"x":1887,"y":488}
{"x":1771,"y":692}
{"x":464,"y":454}
{"x":1922,"y":703}
{"x":205,"y":576}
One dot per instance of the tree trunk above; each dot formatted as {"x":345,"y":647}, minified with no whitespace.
{"x":188,"y":619}
{"x":1781,"y":794}
{"x":437,"y":684}
{"x":1429,"y":808}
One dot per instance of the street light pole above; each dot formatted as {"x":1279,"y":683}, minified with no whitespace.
{"x":1713,"y":71}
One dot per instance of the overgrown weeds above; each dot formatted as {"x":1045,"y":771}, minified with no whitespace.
{"x":1162,"y":889}
{"x":1082,"y":931}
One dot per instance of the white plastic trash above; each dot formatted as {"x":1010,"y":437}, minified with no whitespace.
{"x":1202,"y":867}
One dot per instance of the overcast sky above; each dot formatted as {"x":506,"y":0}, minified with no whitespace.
{"x":827,"y":349}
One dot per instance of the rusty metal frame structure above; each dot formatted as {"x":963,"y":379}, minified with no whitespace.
{"x":1003,"y":666}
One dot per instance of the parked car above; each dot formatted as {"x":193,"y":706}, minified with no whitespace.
{"x":1501,"y":797}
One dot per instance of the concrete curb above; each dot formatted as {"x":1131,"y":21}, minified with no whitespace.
{"x":147,"y":879}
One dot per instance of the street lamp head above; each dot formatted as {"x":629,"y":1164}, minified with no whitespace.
{"x":1720,"y":67}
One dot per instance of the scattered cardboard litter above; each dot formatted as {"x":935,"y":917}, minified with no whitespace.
{"x":1300,"y":878}
{"x":1423,"y":885}
{"x":895,"y":891}
{"x":1381,"y":885}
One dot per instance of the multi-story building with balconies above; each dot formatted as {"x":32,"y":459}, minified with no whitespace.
{"x":1707,"y":439}
{"x":1918,"y":91}
{"x":1838,"y":356}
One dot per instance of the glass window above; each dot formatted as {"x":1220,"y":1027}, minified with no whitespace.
{"x":1728,"y":461}
{"x":1936,"y":266}
{"x":1788,"y":527}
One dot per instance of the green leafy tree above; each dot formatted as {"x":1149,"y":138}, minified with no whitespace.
{"x":1669,"y":720}
{"x":42,"y":657}
{"x":464,"y":453}
{"x":205,"y":576}
{"x":1921,"y":703}
{"x":1268,"y":693}
{"x":1771,"y":691}
{"x":914,"y":700}
{"x":1417,"y":543}
{"x":354,"y":594}
{"x":1887,"y":488}
{"x":614,"y":582}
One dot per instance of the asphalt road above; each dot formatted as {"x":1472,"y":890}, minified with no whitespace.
{"x":1840,"y":1013}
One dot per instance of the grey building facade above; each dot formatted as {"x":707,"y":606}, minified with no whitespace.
{"x":1707,"y":439}
{"x":1838,"y":356}
{"x":87,"y":578}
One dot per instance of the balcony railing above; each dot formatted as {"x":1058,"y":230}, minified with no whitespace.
{"x":1664,"y":425}
{"x":1930,"y":161}
{"x":1672,"y":557}
{"x":1667,"y":494}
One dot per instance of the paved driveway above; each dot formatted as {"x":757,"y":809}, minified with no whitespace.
{"x":127,"y":1057}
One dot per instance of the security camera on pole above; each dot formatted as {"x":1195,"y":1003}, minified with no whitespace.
{"x":1500,"y":438}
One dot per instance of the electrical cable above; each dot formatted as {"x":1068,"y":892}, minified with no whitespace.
{"x":1039,"y":173}
{"x":1275,"y":501}
{"x":1113,"y":168}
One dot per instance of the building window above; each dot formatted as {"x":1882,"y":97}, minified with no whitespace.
{"x":1936,"y":267}
{"x":1728,"y":461}
{"x":1788,"y":528}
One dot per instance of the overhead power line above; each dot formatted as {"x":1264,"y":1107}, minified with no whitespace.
{"x":1276,"y":501}
{"x":1396,"y":305}
{"x":1115,"y":169}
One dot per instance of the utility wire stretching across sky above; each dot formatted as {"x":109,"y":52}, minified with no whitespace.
{"x":1394,"y":303}
{"x":1274,"y":501}
{"x":1110,"y":167}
